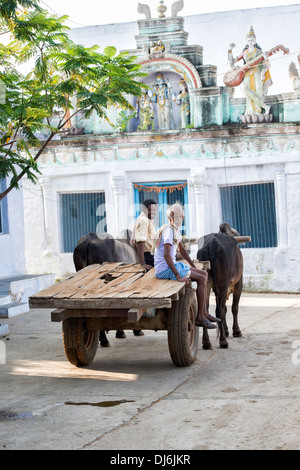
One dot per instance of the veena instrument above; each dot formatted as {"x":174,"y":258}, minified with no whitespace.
{"x":235,"y":76}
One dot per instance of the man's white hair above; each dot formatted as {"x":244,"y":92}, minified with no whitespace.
{"x":173,"y":208}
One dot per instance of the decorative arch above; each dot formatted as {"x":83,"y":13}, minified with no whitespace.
{"x":173,"y":63}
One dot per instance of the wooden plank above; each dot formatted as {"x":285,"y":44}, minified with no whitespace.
{"x":126,"y":289}
{"x":59,"y":315}
{"x":112,"y":288}
{"x":159,"y":322}
{"x":50,"y":291}
{"x":69,"y":286}
{"x":81,"y":284}
{"x":134,"y":267}
{"x":157,"y":289}
{"x":141,"y":285}
{"x":168,"y":291}
{"x":111,"y":303}
{"x":91,"y":288}
{"x":77,"y":278}
{"x":134,"y":314}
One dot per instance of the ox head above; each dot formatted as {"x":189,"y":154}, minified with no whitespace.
{"x":225,"y":228}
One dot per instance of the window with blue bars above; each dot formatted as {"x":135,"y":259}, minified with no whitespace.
{"x":81,"y":213}
{"x":250,"y":209}
{"x":165,"y":194}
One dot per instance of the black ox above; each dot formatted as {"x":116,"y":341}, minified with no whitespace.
{"x":225,"y":277}
{"x":93,"y":249}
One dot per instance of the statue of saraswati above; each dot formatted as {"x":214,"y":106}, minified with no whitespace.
{"x":255,"y":76}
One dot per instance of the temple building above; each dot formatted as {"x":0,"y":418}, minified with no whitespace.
{"x":205,"y":133}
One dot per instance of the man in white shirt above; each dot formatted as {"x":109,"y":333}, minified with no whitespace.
{"x":143,"y":236}
{"x":168,"y":240}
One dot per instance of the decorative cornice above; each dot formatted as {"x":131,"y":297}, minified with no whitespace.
{"x":178,"y":148}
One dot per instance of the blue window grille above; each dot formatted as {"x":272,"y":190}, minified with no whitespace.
{"x":250,"y":209}
{"x":165,"y":195}
{"x":81,"y":213}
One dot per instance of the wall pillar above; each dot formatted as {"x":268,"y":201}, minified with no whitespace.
{"x":281,"y":256}
{"x":209,"y":106}
{"x":118,"y":180}
{"x":197,"y":212}
{"x":46,"y":192}
{"x":281,"y":209}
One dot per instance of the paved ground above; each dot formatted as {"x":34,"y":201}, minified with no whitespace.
{"x":133,"y":397}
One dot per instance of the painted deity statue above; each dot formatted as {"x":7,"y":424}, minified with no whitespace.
{"x":256,"y":80}
{"x":294,"y":75}
{"x":161,"y":95}
{"x":183,"y":100}
{"x":145,"y":112}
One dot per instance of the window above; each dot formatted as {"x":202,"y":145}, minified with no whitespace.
{"x":81,"y":213}
{"x":250,"y":209}
{"x":165,"y":194}
{"x":1,"y":230}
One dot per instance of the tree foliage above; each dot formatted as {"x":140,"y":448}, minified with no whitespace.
{"x":61,"y":73}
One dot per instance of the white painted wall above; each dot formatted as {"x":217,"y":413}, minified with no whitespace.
{"x":265,"y":269}
{"x":12,"y":243}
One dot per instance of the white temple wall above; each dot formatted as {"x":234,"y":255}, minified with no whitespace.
{"x":265,"y":268}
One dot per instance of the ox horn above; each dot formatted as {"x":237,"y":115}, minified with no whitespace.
{"x":242,"y":239}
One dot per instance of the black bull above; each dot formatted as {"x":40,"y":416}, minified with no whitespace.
{"x":224,"y":277}
{"x":92,"y":249}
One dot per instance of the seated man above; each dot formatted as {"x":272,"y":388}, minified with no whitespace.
{"x":166,"y":266}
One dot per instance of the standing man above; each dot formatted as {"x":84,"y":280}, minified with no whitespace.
{"x":143,"y":236}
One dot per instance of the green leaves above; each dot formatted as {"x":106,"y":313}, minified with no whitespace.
{"x":64,"y":79}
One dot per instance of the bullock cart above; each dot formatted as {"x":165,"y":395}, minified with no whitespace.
{"x":118,"y":296}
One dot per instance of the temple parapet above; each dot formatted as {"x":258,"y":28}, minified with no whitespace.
{"x":184,"y":92}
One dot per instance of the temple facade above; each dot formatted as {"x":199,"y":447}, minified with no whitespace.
{"x":225,"y":149}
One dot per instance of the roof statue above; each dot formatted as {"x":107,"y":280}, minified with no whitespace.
{"x":161,"y":9}
{"x":294,"y":75}
{"x":255,"y":76}
{"x":176,"y":7}
{"x":144,"y":10}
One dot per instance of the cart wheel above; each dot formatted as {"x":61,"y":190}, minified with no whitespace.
{"x":183,"y":335}
{"x":80,"y":344}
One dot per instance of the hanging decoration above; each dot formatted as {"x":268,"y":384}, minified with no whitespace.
{"x":160,"y":189}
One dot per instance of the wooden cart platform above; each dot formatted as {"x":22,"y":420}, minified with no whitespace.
{"x":116,"y":296}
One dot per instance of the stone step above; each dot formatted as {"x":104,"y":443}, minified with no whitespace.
{"x":4,"y":331}
{"x":5,"y":299}
{"x":15,"y":291}
{"x":23,"y":285}
{"x":13,"y":308}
